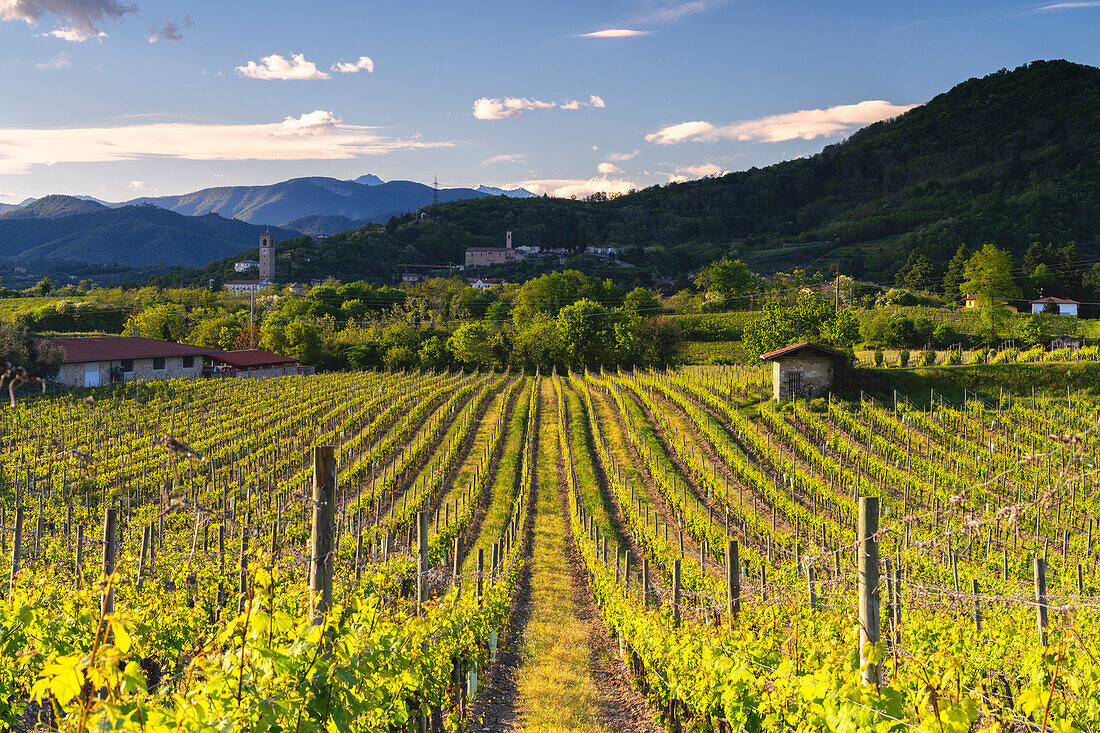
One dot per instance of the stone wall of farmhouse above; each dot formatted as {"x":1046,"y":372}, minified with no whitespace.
{"x":815,"y":376}
{"x":72,"y":374}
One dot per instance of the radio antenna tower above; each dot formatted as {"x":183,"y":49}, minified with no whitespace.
{"x":435,"y":191}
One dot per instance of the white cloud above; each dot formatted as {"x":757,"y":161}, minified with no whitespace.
{"x":60,"y":61}
{"x":595,"y":147}
{"x":1055,"y":7}
{"x":168,"y":30}
{"x":80,"y":19}
{"x":805,"y":124}
{"x":614,"y":33}
{"x":568,"y":187}
{"x":679,"y":133}
{"x":622,"y":157}
{"x":608,"y":168}
{"x":74,"y":34}
{"x":487,"y":108}
{"x":275,"y":67}
{"x":691,"y":172}
{"x":499,"y":108}
{"x":317,"y":122}
{"x":137,"y":185}
{"x":504,"y":158}
{"x":317,"y":135}
{"x":365,"y":63}
{"x":670,"y":11}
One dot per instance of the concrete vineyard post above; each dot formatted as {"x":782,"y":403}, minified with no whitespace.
{"x":457,"y":568}
{"x":321,"y":533}
{"x":868,"y":586}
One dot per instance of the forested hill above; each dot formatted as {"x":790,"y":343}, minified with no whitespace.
{"x":1010,"y":158}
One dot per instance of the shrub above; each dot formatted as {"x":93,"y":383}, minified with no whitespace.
{"x":818,"y":404}
{"x":1005,"y":356}
{"x":903,"y":358}
{"x":979,"y":357}
{"x":880,"y":358}
{"x":927,"y":357}
{"x":952,"y":358}
{"x":1031,"y":355}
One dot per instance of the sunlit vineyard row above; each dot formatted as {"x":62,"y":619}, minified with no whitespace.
{"x":342,"y":551}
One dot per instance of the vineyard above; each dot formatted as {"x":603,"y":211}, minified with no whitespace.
{"x":361,"y":552}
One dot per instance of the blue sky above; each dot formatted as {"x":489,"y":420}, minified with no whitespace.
{"x":500,"y":93}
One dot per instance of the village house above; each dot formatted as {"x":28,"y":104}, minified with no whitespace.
{"x":98,"y":361}
{"x":975,"y":302}
{"x":803,"y":370}
{"x":102,"y":360}
{"x":251,"y":363}
{"x":1057,"y":306}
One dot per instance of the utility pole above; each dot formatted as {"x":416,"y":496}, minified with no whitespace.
{"x":252,"y":318}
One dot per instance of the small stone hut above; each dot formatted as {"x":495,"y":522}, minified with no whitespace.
{"x":803,"y":370}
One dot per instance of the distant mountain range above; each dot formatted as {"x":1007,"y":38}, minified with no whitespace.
{"x":57,"y":229}
{"x":314,"y":205}
{"x":349,"y":203}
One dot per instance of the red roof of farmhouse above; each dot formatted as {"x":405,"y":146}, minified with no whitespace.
{"x":108,"y":348}
{"x":789,"y":350}
{"x":250,"y":358}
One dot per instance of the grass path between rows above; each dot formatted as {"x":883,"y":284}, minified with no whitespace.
{"x":556,"y":691}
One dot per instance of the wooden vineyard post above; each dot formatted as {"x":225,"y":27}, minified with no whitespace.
{"x":733,"y":581}
{"x":242,"y":579}
{"x":480,"y":573}
{"x":868,"y":587}
{"x":977,"y":606}
{"x":17,"y":542}
{"x":143,"y":556}
{"x":676,"y":593}
{"x":645,"y":582}
{"x":810,"y":587}
{"x":110,"y":519}
{"x":1040,"y":567}
{"x":221,"y":563}
{"x":421,"y":561}
{"x":324,"y":490}
{"x":79,"y":575}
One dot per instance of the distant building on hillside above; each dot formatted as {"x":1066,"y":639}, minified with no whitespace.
{"x":246,"y":265}
{"x":975,"y":302}
{"x":244,"y":286}
{"x":484,"y":283}
{"x":1057,"y":306}
{"x":485,"y":256}
{"x":803,"y":370}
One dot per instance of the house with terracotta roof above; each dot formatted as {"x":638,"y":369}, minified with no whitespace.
{"x":803,"y":370}
{"x":98,"y":361}
{"x":251,"y":363}
{"x":1057,"y":306}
